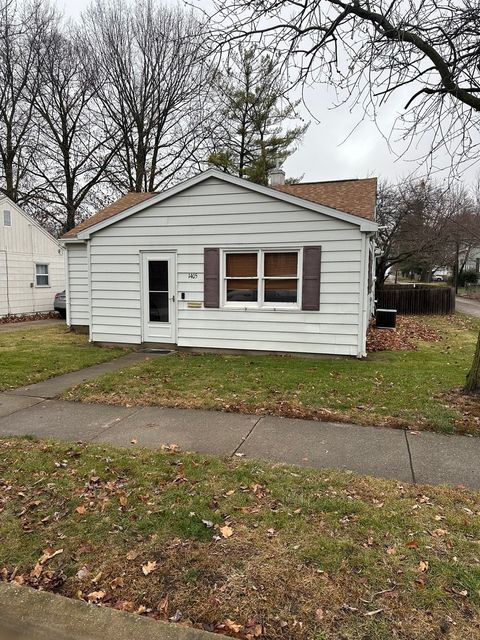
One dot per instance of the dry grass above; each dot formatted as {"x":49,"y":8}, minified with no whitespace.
{"x":305,"y":555}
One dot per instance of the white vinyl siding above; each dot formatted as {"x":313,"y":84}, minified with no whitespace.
{"x":77,"y":291}
{"x":23,"y":245}
{"x":226,"y":216}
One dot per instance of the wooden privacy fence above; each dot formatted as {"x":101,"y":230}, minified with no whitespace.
{"x":416,"y":299}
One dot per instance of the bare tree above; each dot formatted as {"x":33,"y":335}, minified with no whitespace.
{"x":22,"y":31}
{"x":150,"y":69}
{"x":423,"y":224}
{"x":372,"y":50}
{"x":74,"y":149}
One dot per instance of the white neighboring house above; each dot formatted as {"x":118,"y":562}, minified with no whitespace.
{"x":32,"y":263}
{"x":472,"y":263}
{"x":218,"y":262}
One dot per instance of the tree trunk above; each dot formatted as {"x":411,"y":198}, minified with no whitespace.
{"x":473,"y":378}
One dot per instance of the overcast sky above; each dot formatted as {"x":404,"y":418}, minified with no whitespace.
{"x":341,"y":143}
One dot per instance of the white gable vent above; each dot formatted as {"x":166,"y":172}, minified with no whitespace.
{"x":7,"y":218}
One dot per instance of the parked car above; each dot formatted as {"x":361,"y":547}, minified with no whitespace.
{"x":60,"y":304}
{"x":437,"y":279}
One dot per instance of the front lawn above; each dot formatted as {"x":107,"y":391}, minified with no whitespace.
{"x":400,"y":388}
{"x":245,"y":548}
{"x":34,"y":355}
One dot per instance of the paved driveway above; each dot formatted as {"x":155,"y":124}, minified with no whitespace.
{"x":31,"y":324}
{"x":466,"y":305}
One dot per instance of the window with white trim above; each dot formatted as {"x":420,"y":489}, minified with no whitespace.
{"x":42,"y":278}
{"x":261,"y":278}
{"x":7,"y":218}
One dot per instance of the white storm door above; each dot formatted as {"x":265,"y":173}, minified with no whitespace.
{"x":158,"y":297}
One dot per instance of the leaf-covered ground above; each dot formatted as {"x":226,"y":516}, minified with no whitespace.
{"x":400,"y":388}
{"x":243,"y":548}
{"x":36,"y":354}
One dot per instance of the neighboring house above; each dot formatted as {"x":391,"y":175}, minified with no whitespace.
{"x":468,"y":260}
{"x":471,"y":258}
{"x":32,"y":263}
{"x":218,"y":262}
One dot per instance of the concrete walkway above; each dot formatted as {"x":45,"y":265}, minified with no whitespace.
{"x":468,"y":306}
{"x":407,"y":456}
{"x":28,"y":614}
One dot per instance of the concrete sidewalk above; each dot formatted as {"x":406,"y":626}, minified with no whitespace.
{"x":403,"y":455}
{"x":387,"y":453}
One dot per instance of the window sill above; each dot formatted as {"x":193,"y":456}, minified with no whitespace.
{"x":272,"y":309}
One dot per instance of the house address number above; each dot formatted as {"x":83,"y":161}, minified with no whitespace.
{"x":193,"y":276}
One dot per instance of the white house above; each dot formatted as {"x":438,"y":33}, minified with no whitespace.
{"x":218,"y":262}
{"x":32,"y":263}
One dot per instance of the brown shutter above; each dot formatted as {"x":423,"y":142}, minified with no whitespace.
{"x":311,"y":278}
{"x":211,"y":278}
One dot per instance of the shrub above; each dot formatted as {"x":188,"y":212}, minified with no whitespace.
{"x":470,"y":276}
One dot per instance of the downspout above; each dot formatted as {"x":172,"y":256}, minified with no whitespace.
{"x":8,"y":284}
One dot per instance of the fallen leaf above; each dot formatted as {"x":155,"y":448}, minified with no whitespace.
{"x":231,"y":625}
{"x":48,"y":554}
{"x":423,"y":566}
{"x":132,"y":555}
{"x":319,"y":615}
{"x":373,"y":613}
{"x":81,"y":510}
{"x":96,"y":596}
{"x":97,"y":577}
{"x":162,"y":606}
{"x":226,"y":531}
{"x":82,"y":573}
{"x":392,"y":551}
{"x":176,"y":616}
{"x":117,"y":582}
{"x":412,"y":544}
{"x":149,"y":567}
{"x":36,"y":571}
{"x":208,"y":523}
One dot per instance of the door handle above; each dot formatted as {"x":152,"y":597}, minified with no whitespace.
{"x":173,"y":298}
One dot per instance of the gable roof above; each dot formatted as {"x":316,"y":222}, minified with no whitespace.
{"x":132,"y":202}
{"x":122,"y":204}
{"x":352,"y":196}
